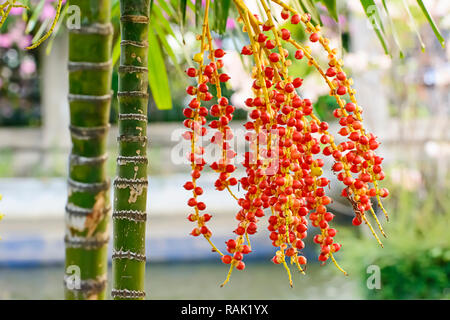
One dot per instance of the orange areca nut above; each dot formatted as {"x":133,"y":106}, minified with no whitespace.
{"x":283,"y":169}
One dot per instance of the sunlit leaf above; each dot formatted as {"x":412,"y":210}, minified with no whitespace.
{"x":158,"y":15}
{"x":191,"y":6}
{"x":414,"y":25}
{"x":198,"y":12}
{"x":151,"y":6}
{"x":432,"y":23}
{"x":394,"y":32}
{"x":41,"y":30}
{"x":310,"y":7}
{"x":116,"y":51}
{"x":373,"y":14}
{"x":167,"y":48}
{"x":221,"y":11}
{"x":115,"y":9}
{"x":166,"y":7}
{"x":35,"y":16}
{"x":332,"y":8}
{"x":157,"y":74}
{"x":183,"y":6}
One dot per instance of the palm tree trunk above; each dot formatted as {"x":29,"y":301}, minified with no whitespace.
{"x":130,"y":186}
{"x":88,"y":205}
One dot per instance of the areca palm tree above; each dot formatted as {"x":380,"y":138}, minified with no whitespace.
{"x":88,"y":205}
{"x":130,"y":186}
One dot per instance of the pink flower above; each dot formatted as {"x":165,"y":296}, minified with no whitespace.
{"x":48,"y":12}
{"x":342,"y":20}
{"x":218,"y":43}
{"x":27,"y":67}
{"x":327,"y":20}
{"x":25,"y":41}
{"x":16,"y":11}
{"x":231,"y":24}
{"x":16,"y":35}
{"x":5,"y":41}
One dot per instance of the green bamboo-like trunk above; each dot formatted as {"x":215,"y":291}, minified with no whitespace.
{"x":88,"y":204}
{"x":130,"y":185}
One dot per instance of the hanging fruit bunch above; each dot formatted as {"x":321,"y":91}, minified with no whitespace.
{"x":287,"y":143}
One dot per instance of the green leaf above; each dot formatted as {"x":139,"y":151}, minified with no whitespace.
{"x":151,"y":6}
{"x":414,"y":25}
{"x":394,"y":32}
{"x":191,"y":6}
{"x":35,"y":17}
{"x":310,"y":7}
{"x":221,"y":10}
{"x":198,"y":12}
{"x":157,"y":74}
{"x":332,"y":8}
{"x":162,"y":37}
{"x":167,"y":7}
{"x":115,"y":9}
{"x":162,"y":20}
{"x":432,"y":23}
{"x":373,"y":14}
{"x":42,"y":29}
{"x":183,"y":6}
{"x":116,"y":51}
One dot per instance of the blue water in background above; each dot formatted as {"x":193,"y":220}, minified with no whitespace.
{"x":199,"y":280}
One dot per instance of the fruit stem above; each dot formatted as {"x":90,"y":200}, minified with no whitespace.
{"x":337,"y":265}
{"x":228,"y":275}
{"x":231,"y":193}
{"x":288,"y":272}
{"x":212,"y":245}
{"x":248,"y":240}
{"x":371,"y":229}
{"x":377,"y":221}
{"x":300,"y":268}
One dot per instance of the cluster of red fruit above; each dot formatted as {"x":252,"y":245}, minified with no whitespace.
{"x":283,"y":168}
{"x":208,"y":74}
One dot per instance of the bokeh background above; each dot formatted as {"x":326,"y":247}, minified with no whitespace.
{"x":406,"y":102}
